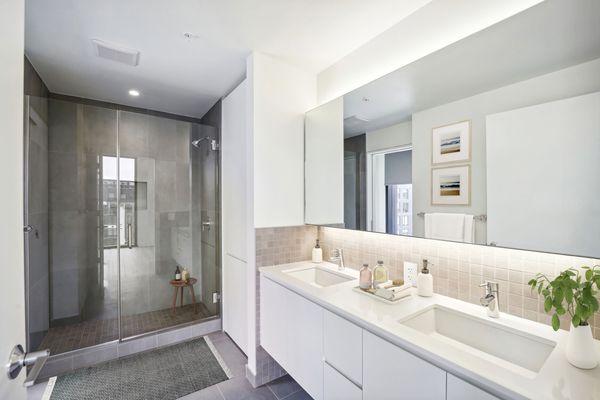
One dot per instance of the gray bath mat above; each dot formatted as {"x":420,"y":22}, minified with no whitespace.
{"x":165,"y":373}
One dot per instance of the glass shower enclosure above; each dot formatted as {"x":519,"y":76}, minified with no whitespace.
{"x":115,"y":202}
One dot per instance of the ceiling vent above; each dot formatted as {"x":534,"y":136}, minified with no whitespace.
{"x":114,"y":52}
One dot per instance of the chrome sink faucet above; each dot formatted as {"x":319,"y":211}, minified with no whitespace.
{"x":337,"y":255}
{"x":490,"y":300}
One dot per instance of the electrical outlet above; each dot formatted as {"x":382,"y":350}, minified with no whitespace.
{"x":410,"y":273}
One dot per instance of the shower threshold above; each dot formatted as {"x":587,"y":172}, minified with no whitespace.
{"x":62,"y":339}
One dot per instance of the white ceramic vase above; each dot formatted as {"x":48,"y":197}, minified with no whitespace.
{"x":581,"y":349}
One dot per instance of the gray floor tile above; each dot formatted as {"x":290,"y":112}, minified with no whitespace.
{"x":240,"y":389}
{"x":233,"y":357}
{"x":36,"y":391}
{"x":209,"y":393}
{"x":300,"y":395}
{"x":284,"y":386}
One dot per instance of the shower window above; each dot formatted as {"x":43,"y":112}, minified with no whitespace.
{"x":122,"y":224}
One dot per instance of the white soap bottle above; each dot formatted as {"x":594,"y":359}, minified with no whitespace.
{"x":425,"y":281}
{"x":317,"y":253}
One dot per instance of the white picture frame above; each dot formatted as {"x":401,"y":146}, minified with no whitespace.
{"x":451,"y":185}
{"x":451,"y":143}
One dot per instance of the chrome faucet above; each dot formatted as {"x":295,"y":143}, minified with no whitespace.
{"x":490,"y":300}
{"x":337,"y":255}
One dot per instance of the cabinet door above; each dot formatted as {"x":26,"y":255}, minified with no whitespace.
{"x":273,"y":326}
{"x":337,"y":387}
{"x":235,"y":315}
{"x":304,"y":320}
{"x":342,"y":345}
{"x":392,"y":373}
{"x":457,"y":389}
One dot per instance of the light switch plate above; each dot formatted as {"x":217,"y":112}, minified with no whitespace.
{"x":410,"y":273}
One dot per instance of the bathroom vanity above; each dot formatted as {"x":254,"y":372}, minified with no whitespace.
{"x":339,"y":344}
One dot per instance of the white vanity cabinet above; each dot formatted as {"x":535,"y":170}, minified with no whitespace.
{"x":457,"y":389}
{"x":273,"y":331}
{"x":338,"y":387}
{"x":335,"y":359}
{"x":291,"y":331}
{"x":342,"y":346}
{"x":392,"y":373}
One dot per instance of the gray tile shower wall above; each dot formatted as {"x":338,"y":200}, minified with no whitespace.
{"x":277,"y":246}
{"x":33,"y":84}
{"x":458,"y":268}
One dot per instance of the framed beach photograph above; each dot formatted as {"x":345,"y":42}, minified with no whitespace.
{"x":451,"y":186}
{"x":451,"y":143}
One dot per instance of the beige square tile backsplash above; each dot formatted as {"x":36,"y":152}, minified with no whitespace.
{"x":458,"y":269}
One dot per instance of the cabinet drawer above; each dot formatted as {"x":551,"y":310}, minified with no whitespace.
{"x":342,"y":346}
{"x":457,"y":389}
{"x":392,"y":373}
{"x":337,"y":387}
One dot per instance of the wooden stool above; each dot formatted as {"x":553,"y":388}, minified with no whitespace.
{"x":181,"y":284}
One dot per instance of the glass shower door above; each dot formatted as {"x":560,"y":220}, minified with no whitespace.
{"x":71,"y":278}
{"x":167,"y":220}
{"x":206,"y":216}
{"x":115,"y":201}
{"x":36,"y":220}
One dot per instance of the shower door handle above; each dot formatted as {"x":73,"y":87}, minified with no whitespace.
{"x":129,"y":234}
{"x":206,"y":224}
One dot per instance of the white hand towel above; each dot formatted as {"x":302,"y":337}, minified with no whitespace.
{"x":445,"y":226}
{"x":469,"y":234}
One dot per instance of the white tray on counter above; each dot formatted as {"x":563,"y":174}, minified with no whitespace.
{"x":371,"y":295}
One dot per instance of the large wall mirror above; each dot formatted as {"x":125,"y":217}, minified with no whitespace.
{"x":492,"y":140}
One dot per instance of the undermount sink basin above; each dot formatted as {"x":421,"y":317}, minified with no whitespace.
{"x":509,"y":348}
{"x":318,"y":276}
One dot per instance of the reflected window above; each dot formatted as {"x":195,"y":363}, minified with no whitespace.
{"x":399,"y":209}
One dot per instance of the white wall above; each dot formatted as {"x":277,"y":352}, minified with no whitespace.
{"x":324,"y":158}
{"x":533,"y":154}
{"x":397,"y":135}
{"x":277,"y":97}
{"x":434,"y":26}
{"x":281,"y":95}
{"x":12,"y":291}
{"x":234,"y":218}
{"x":569,"y":82}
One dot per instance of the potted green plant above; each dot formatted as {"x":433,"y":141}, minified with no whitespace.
{"x":572,"y":292}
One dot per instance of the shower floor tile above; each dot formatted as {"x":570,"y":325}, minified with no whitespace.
{"x":65,"y":338}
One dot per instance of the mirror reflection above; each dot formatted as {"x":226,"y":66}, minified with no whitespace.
{"x":492,"y":140}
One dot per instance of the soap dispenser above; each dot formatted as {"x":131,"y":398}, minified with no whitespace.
{"x":365,"y":277}
{"x":380,"y":274}
{"x":317,"y":253}
{"x":425,"y":281}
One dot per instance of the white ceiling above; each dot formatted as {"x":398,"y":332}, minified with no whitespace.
{"x":183,"y":76}
{"x":547,"y":37}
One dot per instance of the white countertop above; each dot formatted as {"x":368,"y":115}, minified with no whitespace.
{"x":557,"y":379}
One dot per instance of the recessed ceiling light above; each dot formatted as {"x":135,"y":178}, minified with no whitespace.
{"x":134,"y":92}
